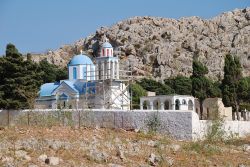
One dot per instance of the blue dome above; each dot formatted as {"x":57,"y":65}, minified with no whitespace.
{"x":106,"y":45}
{"x":80,"y":59}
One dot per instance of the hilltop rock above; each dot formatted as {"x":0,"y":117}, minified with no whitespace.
{"x":162,"y":47}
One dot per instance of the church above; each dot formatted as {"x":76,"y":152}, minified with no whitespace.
{"x":90,"y":84}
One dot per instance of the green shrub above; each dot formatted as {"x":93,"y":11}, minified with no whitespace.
{"x":153,"y":123}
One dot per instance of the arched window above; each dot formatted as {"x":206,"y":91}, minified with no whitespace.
{"x":166,"y":105}
{"x":107,"y":52}
{"x":177,"y":104}
{"x":145,"y":105}
{"x":190,"y":105}
{"x":102,"y":52}
{"x":74,"y":73}
{"x":63,"y":96}
{"x":157,"y":105}
{"x":184,"y":102}
{"x":84,"y":71}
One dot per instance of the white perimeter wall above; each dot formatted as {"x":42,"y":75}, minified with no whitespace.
{"x":237,"y":128}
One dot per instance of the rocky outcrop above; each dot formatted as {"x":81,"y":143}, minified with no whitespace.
{"x":162,"y":47}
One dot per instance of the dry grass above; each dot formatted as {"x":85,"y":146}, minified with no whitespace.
{"x":135,"y":146}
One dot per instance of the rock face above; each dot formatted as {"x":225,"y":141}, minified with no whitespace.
{"x":162,"y":47}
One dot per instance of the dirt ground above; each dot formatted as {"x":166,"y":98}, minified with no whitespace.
{"x":67,"y":146}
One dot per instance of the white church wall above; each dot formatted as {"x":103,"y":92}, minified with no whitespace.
{"x":83,"y":72}
{"x":70,"y":72}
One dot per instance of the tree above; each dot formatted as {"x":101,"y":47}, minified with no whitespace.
{"x":181,"y":85}
{"x":243,"y":89}
{"x":157,"y":87}
{"x":19,"y":80}
{"x":230,"y":84}
{"x":137,"y":92}
{"x":51,"y":72}
{"x":200,"y":84}
{"x":214,"y":89}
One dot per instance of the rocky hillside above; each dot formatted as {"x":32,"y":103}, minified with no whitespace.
{"x":162,"y":47}
{"x":45,"y":147}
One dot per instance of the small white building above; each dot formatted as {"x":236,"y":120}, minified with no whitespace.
{"x":89,"y":85}
{"x":167,"y":102}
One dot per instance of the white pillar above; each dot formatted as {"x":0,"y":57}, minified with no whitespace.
{"x":96,"y":72}
{"x":117,"y":71}
{"x":162,"y":105}
{"x":86,"y":73}
{"x":151,"y":105}
{"x":141,"y":105}
{"x":108,"y":69}
{"x":113,"y":70}
{"x":103,"y":73}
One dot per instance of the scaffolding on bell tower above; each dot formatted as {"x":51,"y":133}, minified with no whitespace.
{"x":107,"y":91}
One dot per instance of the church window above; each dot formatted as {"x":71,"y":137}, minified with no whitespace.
{"x":190,"y":105}
{"x":74,"y":73}
{"x":177,"y":104}
{"x":166,"y":105}
{"x":84,"y":72}
{"x":184,"y":102}
{"x":102,"y":52}
{"x":99,"y":71}
{"x":107,"y":52}
{"x":146,"y":105}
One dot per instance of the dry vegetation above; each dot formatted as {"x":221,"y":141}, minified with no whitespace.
{"x":26,"y":146}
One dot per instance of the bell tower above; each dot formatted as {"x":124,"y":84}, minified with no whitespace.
{"x":107,"y":65}
{"x":107,"y":49}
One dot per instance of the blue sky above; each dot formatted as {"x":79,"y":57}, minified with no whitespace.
{"x":38,"y":25}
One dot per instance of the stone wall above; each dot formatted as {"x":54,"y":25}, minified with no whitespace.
{"x":181,"y":125}
{"x":176,"y":124}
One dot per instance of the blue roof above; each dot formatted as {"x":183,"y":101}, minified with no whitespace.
{"x":106,"y":45}
{"x":80,"y":59}
{"x":71,"y":85}
{"x":48,"y":88}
